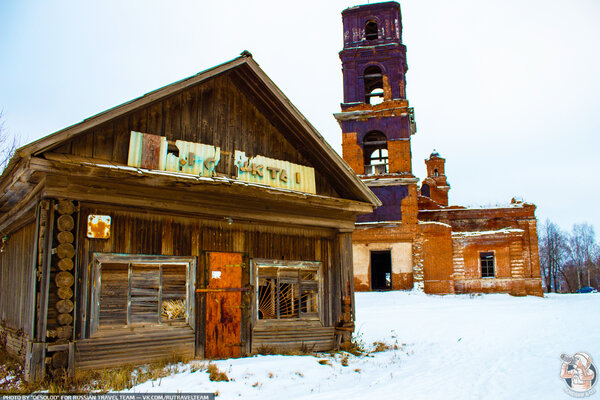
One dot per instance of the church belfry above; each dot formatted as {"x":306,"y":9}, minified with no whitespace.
{"x":376,"y":120}
{"x":373,"y":58}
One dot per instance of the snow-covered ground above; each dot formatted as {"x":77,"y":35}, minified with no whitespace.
{"x":451,"y":347}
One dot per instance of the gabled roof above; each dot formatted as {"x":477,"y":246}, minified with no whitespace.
{"x":273,"y":103}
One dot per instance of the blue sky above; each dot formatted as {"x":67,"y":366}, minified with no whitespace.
{"x":506,"y":91}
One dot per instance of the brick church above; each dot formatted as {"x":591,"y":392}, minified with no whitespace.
{"x":416,"y":239}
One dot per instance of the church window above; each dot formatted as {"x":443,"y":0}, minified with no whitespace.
{"x":376,"y":154}
{"x":435,"y":172}
{"x":373,"y":79}
{"x":371,"y":32}
{"x":487,"y":264}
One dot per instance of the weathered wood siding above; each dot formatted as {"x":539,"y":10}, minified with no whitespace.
{"x":18,"y":274}
{"x":17,"y":294}
{"x":138,"y":232}
{"x":277,"y":336}
{"x":134,"y":346}
{"x":215,"y":112}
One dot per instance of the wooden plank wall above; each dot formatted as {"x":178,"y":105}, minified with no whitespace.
{"x":17,"y":288}
{"x":157,"y":234}
{"x":215,"y":112}
{"x":292,"y":335}
{"x":134,"y":346}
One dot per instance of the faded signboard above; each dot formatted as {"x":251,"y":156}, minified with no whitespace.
{"x":275,"y":173}
{"x":156,"y":153}
{"x":153,"y":152}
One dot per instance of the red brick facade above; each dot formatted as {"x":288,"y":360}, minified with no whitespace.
{"x":415,"y":239}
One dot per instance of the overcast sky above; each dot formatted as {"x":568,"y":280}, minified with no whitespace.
{"x":506,"y":90}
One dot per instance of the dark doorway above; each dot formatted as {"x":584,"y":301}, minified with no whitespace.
{"x":381,"y":270}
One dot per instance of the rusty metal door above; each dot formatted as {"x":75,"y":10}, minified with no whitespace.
{"x":224,"y":305}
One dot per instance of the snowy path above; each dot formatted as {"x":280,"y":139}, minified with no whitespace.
{"x":456,"y":347}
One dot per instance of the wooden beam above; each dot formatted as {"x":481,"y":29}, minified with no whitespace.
{"x":236,"y":191}
{"x":103,"y":195}
{"x":21,"y":167}
{"x":22,"y":207}
{"x":42,"y":318}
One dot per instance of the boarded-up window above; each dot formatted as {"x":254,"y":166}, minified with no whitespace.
{"x":173,"y":303}
{"x":113,"y":294}
{"x":287,"y":292}
{"x":144,"y":287}
{"x":134,"y":291}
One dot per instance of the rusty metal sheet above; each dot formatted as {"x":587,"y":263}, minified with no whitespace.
{"x":223,"y":307}
{"x":196,"y":158}
{"x":244,"y":289}
{"x":275,"y":173}
{"x":151,"y":151}
{"x":136,"y":144}
{"x":98,"y":226}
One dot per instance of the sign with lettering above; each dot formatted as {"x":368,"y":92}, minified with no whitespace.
{"x":156,"y":153}
{"x":275,"y":173}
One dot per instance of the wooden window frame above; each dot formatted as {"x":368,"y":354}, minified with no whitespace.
{"x":493,"y":267}
{"x":257,"y":264}
{"x":106,"y":258}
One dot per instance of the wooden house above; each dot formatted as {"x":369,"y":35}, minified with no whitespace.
{"x":207,"y":218}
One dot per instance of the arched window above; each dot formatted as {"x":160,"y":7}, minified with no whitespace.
{"x":425,"y":190}
{"x":376,"y":154}
{"x":435,"y":172}
{"x":373,"y":85}
{"x":371,"y":32}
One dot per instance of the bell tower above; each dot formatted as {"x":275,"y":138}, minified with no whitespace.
{"x":435,"y":186}
{"x":376,"y":120}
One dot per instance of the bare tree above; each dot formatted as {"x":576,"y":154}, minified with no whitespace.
{"x":553,"y":253}
{"x":583,"y":252}
{"x":8,"y":145}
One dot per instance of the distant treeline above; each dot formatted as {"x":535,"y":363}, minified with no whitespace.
{"x":568,"y":260}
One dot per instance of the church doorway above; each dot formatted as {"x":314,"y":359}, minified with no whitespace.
{"x":381,"y":270}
